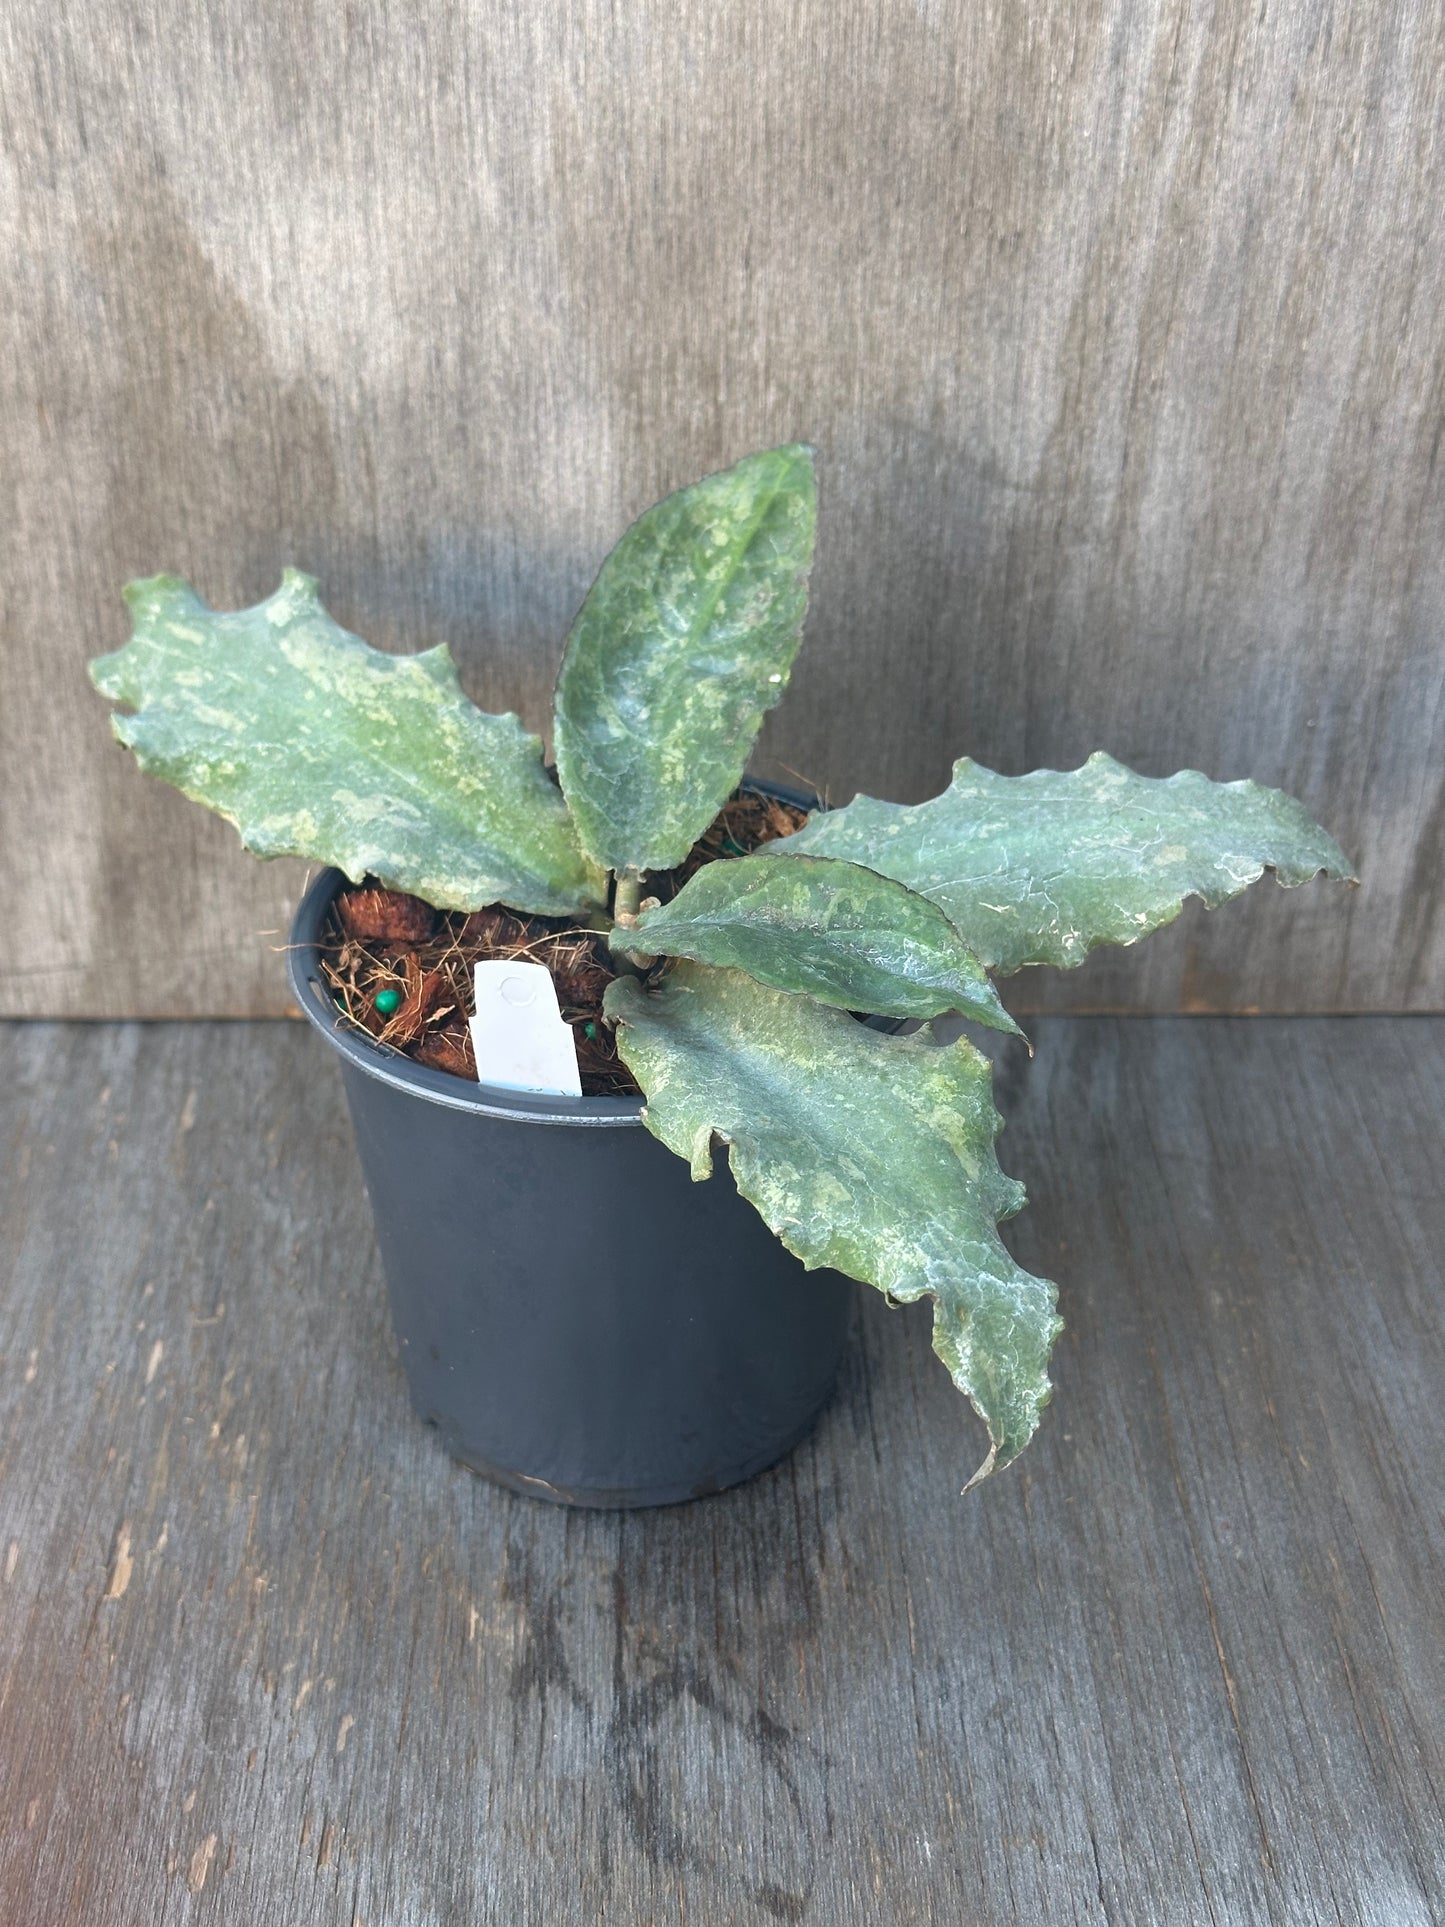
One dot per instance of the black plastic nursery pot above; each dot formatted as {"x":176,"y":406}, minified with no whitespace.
{"x":577,"y":1317}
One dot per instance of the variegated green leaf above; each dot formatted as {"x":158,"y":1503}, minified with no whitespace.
{"x":871,"y":1154}
{"x":685,"y":641}
{"x":828,"y":929}
{"x":315,"y":745}
{"x":1039,"y":869}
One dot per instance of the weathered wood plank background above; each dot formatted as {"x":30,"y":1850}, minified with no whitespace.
{"x":268,"y":1658}
{"x":1118,"y":324}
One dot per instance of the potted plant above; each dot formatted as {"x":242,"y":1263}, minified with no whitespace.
{"x":577,"y":1317}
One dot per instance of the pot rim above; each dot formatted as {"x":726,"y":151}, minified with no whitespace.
{"x":390,"y":1066}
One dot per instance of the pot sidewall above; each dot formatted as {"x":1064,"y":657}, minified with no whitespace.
{"x":576,"y":1317}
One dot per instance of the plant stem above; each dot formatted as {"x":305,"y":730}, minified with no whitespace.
{"x":625,"y":899}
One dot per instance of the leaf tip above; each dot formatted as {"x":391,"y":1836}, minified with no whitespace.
{"x":1008,"y":1024}
{"x":102,"y":672}
{"x":155,"y":595}
{"x":986,"y":1470}
{"x":699,"y":1154}
{"x":796,"y":454}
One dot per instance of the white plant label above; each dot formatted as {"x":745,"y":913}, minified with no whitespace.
{"x":518,"y":1034}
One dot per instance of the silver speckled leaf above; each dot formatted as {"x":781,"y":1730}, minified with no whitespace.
{"x":684,"y":642}
{"x":872,"y":1154}
{"x":1039,"y":869}
{"x":830,"y":930}
{"x":315,"y":745}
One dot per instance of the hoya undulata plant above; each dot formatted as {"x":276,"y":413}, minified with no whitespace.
{"x":862,"y":1150}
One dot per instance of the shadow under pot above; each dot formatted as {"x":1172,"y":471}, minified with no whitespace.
{"x":577,"y":1317}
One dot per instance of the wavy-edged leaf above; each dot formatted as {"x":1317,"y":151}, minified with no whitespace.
{"x":872,"y":1154}
{"x":684,"y":642}
{"x":827,"y":929}
{"x":315,"y":745}
{"x":1039,"y":869}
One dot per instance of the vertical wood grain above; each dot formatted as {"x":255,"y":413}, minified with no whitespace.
{"x":1118,"y":325}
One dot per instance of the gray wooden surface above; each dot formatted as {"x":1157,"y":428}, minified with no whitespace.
{"x":1119,"y":328}
{"x":267,"y":1657}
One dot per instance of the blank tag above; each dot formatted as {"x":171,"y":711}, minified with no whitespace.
{"x":518,"y":1033}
